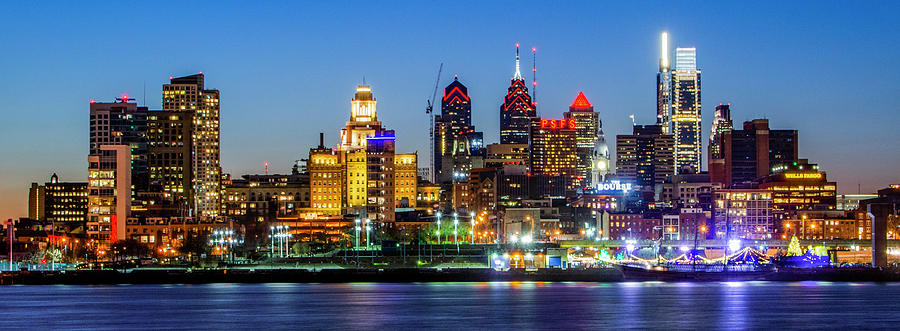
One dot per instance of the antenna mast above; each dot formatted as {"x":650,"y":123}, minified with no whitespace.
{"x":534,"y":78}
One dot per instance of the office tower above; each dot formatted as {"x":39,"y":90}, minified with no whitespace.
{"x":122,"y":122}
{"x":645,"y":157}
{"x":458,"y":148}
{"x":721,"y":124}
{"x":799,"y":186}
{"x":686,"y":110}
{"x":363,"y":120}
{"x":188,"y":95}
{"x":554,"y":150}
{"x":170,"y":145}
{"x":587,"y":132}
{"x":518,"y":111}
{"x":363,"y":175}
{"x":109,"y":192}
{"x":664,"y":86}
{"x":57,"y":201}
{"x":751,"y":153}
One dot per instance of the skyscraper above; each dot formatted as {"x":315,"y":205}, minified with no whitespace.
{"x":187,"y":95}
{"x":587,"y":126}
{"x":644,"y":157}
{"x":721,"y":124}
{"x":664,"y":86}
{"x":751,"y":153}
{"x":686,"y":110}
{"x":109,"y":192}
{"x":122,"y":122}
{"x":458,"y":148}
{"x":518,"y":111}
{"x":554,"y":150}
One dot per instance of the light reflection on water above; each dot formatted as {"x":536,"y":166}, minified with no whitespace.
{"x":528,"y":305}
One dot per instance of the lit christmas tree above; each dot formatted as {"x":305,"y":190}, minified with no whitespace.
{"x":794,"y":247}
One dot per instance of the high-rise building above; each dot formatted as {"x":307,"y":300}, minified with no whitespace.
{"x":554,"y":150}
{"x":591,"y":154}
{"x":645,"y":157}
{"x":188,"y":95}
{"x":57,"y":201}
{"x":721,"y":124}
{"x":501,"y":155}
{"x":664,"y":87}
{"x":123,"y":122}
{"x":363,"y":175}
{"x":458,"y":148}
{"x":170,"y":146}
{"x":686,"y":110}
{"x":751,"y":153}
{"x":109,"y":192}
{"x":517,"y":113}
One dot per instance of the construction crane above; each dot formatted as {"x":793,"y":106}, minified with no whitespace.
{"x":429,"y":110}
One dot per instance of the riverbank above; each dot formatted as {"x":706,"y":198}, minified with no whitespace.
{"x":407,"y":275}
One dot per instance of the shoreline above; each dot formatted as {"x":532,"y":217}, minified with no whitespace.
{"x":423,"y":275}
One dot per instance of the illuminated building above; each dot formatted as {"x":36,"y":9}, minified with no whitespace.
{"x":554,"y":150}
{"x":187,"y":95}
{"x":823,"y":225}
{"x":721,"y":124}
{"x":501,"y":155}
{"x":169,"y":157}
{"x":632,"y":227}
{"x":664,"y":87}
{"x":518,"y":111}
{"x":849,"y":202}
{"x":593,"y":158}
{"x":483,"y":189}
{"x":458,"y":148}
{"x":800,"y":186}
{"x":743,"y":213}
{"x":405,"y":180}
{"x":363,"y":175}
{"x":751,"y":153}
{"x":262,"y":198}
{"x":688,"y":191}
{"x":57,"y":201}
{"x":686,"y":110}
{"x":645,"y":157}
{"x":109,"y":192}
{"x":122,"y":122}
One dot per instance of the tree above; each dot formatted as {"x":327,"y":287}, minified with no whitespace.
{"x":195,"y":245}
{"x":129,"y":248}
{"x":794,"y":247}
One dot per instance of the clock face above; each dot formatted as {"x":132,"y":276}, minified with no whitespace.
{"x":601,"y":165}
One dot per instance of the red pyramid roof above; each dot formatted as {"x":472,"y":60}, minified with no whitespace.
{"x":581,"y":101}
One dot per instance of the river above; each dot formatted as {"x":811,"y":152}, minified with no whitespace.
{"x":497,"y":305}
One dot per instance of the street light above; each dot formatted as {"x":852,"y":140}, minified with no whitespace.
{"x":455,"y":230}
{"x":368,"y":228}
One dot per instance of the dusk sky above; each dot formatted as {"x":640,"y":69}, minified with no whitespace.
{"x":287,"y":71}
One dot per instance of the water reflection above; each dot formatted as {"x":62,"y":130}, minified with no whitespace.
{"x":528,"y":305}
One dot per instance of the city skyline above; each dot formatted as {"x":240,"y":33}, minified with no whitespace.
{"x":258,"y":128}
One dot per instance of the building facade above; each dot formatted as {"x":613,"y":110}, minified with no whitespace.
{"x":518,"y":111}
{"x":554,"y":150}
{"x":57,"y":201}
{"x":752,"y":153}
{"x":587,"y":136}
{"x":744,"y":213}
{"x":109,"y":193}
{"x":686,"y":110}
{"x":645,"y":157}
{"x":189,"y":96}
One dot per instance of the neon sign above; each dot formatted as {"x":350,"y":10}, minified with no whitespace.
{"x":565,"y":123}
{"x":614,"y":186}
{"x":802,"y":175}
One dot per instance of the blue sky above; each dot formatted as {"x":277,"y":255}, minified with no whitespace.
{"x":287,"y":70}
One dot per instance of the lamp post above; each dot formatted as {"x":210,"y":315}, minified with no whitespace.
{"x":472,"y":226}
{"x":356,"y":248}
{"x":368,"y":228}
{"x":455,"y":231}
{"x":272,"y":245}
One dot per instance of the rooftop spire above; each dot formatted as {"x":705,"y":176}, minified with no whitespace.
{"x":518,"y":72}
